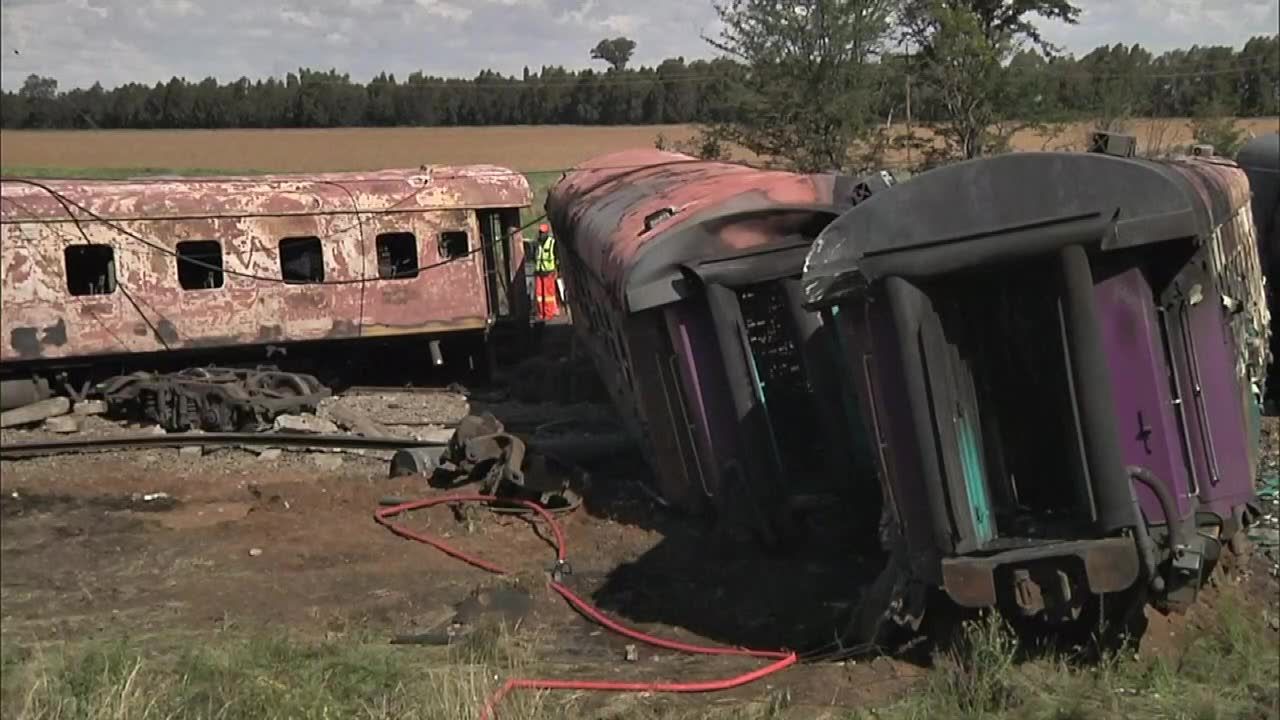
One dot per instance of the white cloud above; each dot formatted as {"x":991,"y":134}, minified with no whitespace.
{"x":119,"y":41}
{"x":578,"y":15}
{"x":300,"y":18}
{"x":623,"y":24}
{"x":446,"y":10}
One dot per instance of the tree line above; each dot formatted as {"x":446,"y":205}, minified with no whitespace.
{"x":1029,"y":82}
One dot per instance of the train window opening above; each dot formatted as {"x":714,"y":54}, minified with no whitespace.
{"x":1007,"y":373}
{"x":453,"y":244}
{"x":784,"y":386}
{"x":301,"y":260}
{"x":91,"y":269}
{"x":397,"y":255}
{"x":199,"y":264}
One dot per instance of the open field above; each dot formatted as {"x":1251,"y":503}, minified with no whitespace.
{"x":520,"y":148}
{"x":259,"y":588}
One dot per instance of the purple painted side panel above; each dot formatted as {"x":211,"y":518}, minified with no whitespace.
{"x":1226,"y":480}
{"x":873,"y":360}
{"x":706,"y":390}
{"x":1149,"y":433}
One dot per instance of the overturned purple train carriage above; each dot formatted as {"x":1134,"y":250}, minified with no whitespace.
{"x":1060,"y":359}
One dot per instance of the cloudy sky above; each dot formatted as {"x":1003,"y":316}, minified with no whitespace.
{"x":115,"y":41}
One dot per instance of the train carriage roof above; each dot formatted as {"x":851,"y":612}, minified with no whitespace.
{"x":637,"y":217}
{"x":1011,"y":205}
{"x":155,"y":198}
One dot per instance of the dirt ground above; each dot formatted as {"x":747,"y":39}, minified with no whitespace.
{"x":157,"y":543}
{"x":526,"y":148}
{"x":160,"y":543}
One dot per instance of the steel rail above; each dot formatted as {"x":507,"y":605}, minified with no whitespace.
{"x":37,"y":448}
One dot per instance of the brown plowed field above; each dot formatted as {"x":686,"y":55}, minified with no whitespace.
{"x":524,"y":148}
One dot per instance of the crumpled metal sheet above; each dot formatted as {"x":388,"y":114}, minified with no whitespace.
{"x":1235,"y":261}
{"x":600,"y":207}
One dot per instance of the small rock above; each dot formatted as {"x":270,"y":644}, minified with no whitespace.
{"x":64,"y":424}
{"x":633,"y":654}
{"x":90,"y":407}
{"x":305,"y":424}
{"x":1265,"y":537}
{"x":255,"y":552}
{"x":327,"y":462}
{"x":270,"y":454}
{"x":156,"y":430}
{"x":191,"y":451}
{"x":435,"y":435}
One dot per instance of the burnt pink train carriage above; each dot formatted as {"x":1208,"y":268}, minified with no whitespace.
{"x":146,"y":271}
{"x":683,"y":278}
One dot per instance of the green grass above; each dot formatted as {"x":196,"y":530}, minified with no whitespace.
{"x":540,"y":183}
{"x":1230,"y":671}
{"x":113,"y":173}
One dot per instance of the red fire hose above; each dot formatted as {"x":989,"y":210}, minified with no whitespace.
{"x":781,"y":660}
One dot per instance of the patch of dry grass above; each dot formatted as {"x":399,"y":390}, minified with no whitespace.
{"x":1230,"y":670}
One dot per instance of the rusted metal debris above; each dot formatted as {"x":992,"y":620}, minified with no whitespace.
{"x":481,"y":451}
{"x":211,"y":399}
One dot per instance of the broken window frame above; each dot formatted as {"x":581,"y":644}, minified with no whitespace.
{"x":107,"y":277}
{"x":188,"y":265}
{"x":449,"y":236}
{"x":301,"y":241}
{"x":384,"y":241}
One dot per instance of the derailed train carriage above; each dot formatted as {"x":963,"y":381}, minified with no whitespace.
{"x":113,"y":276}
{"x":1060,"y":359}
{"x":683,"y":279}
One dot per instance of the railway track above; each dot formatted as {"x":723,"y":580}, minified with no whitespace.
{"x":581,"y":449}
{"x":14,"y":451}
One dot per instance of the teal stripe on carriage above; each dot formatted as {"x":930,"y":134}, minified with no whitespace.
{"x":974,"y":481}
{"x":774,"y":450}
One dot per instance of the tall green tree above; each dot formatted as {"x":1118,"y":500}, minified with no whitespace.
{"x":963,"y":47}
{"x":805,"y":95}
{"x":617,"y":52}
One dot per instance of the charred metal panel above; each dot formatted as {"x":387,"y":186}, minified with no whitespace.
{"x":660,"y":252}
{"x":625,"y":210}
{"x":143,"y":222}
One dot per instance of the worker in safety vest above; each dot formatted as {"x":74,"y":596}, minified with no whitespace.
{"x":531,"y":246}
{"x":545,"y":273}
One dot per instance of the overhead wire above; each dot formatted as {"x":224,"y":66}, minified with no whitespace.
{"x":118,"y":283}
{"x":114,"y":225}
